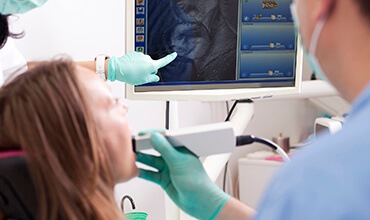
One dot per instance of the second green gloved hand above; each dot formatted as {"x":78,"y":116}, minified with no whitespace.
{"x":184,"y":179}
{"x":136,"y":68}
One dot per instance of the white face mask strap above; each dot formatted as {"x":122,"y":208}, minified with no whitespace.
{"x":293,"y":10}
{"x":316,"y":35}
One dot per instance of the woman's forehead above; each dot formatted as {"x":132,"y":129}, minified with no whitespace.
{"x":93,"y":84}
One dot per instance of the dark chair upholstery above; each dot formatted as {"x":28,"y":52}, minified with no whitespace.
{"x":18,"y":199}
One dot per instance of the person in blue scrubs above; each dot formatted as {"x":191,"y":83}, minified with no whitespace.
{"x":329,"y":179}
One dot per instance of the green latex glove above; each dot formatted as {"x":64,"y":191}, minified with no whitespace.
{"x":137,"y":68}
{"x":184,"y":179}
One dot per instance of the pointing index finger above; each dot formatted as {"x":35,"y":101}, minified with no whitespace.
{"x":166,"y":60}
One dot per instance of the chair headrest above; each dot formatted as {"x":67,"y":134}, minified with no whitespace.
{"x":11,"y":153}
{"x":17,"y":193}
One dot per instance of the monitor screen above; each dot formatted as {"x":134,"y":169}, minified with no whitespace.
{"x":227,"y":49}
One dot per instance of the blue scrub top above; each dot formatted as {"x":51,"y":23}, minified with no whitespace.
{"x":329,"y":179}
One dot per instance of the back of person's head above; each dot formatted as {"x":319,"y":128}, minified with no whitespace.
{"x":5,"y":32}
{"x":44,"y":112}
{"x":4,"y":29}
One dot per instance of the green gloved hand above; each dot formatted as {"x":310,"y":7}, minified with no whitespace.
{"x":137,"y":68}
{"x":184,"y":179}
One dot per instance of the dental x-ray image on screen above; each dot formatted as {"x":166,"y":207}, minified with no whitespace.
{"x":203,"y":33}
{"x":238,"y":46}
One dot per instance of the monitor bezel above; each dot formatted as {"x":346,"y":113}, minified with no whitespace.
{"x":209,"y":94}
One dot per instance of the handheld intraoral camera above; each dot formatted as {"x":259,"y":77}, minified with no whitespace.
{"x":202,"y":140}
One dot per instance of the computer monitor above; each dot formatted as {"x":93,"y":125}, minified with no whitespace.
{"x":227,"y":49}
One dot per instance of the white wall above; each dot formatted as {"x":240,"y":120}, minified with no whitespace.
{"x":85,"y":28}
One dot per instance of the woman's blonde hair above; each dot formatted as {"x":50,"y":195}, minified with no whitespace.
{"x":44,"y":112}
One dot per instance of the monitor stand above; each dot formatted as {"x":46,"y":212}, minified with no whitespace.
{"x":213,"y":165}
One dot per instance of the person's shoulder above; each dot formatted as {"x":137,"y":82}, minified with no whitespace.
{"x":8,"y":47}
{"x":323,"y":173}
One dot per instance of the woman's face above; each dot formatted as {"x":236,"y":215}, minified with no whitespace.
{"x":190,"y":40}
{"x":111,"y":123}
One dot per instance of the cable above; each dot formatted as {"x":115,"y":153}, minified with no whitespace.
{"x":231,"y":110}
{"x":224,"y":179}
{"x":167,"y":116}
{"x":131,"y":201}
{"x":249,"y":139}
{"x":234,"y":106}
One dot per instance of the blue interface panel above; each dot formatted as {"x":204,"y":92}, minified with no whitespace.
{"x":267,"y":40}
{"x":220,"y":44}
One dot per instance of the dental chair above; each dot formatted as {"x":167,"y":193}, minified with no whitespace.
{"x":18,"y":199}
